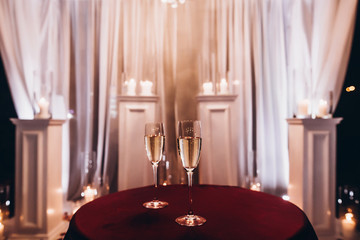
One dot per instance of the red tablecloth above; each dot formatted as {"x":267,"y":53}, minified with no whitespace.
{"x":231,"y":213}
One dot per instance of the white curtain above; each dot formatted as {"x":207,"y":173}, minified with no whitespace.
{"x":95,"y":35}
{"x":319,"y":37}
{"x":301,"y":51}
{"x":33,"y":39}
{"x":271,"y":95}
{"x":273,"y":48}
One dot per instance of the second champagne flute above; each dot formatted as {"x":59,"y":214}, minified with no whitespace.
{"x":189,"y":147}
{"x":154,"y":145}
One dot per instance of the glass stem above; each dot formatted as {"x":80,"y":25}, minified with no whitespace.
{"x":190,"y":174}
{"x":155,"y":166}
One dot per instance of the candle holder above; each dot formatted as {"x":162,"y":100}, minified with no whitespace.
{"x":42,"y":94}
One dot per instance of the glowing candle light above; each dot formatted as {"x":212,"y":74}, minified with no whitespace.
{"x":255,"y":187}
{"x":208,"y":88}
{"x":89,"y":194}
{"x":303,"y":108}
{"x":44,"y":108}
{"x":322,"y":110}
{"x":348,"y":225}
{"x":223,"y":86}
{"x":1,"y":230}
{"x":146,"y":87}
{"x":131,"y":87}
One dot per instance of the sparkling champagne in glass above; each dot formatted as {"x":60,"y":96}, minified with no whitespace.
{"x":189,"y":147}
{"x":154,"y":145}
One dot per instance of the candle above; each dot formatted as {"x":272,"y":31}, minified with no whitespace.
{"x":146,"y":87}
{"x":223,"y":86}
{"x":255,"y":187}
{"x":131,"y":87}
{"x":44,"y":108}
{"x":303,"y":108}
{"x":208,"y":88}
{"x":322,"y":110}
{"x":348,"y":226}
{"x":1,"y":230}
{"x":89,"y":194}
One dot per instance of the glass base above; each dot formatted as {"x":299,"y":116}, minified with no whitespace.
{"x":190,"y":220}
{"x":155,"y":204}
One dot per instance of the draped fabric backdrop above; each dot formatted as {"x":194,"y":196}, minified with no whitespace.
{"x":275,"y":53}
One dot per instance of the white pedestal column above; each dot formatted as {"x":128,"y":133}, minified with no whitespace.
{"x":218,"y":164}
{"x":134,"y":169}
{"x":312,"y":154}
{"x":38,"y":190}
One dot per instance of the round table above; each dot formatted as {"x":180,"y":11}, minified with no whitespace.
{"x":231,"y":213}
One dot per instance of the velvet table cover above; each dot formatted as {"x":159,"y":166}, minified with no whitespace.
{"x":231,"y":213}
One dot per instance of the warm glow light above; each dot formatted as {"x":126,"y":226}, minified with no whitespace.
{"x":173,"y":3}
{"x":323,"y":106}
{"x":286,"y":197}
{"x":146,"y":87}
{"x":223,"y":86}
{"x":44,"y":108}
{"x":131,"y":87}
{"x":75,"y":210}
{"x":50,"y":211}
{"x":303,"y":108}
{"x":349,"y":216}
{"x":89,"y":194}
{"x":350,"y":88}
{"x":1,"y":229}
{"x":236,"y":82}
{"x":208,"y":88}
{"x":255,"y":187}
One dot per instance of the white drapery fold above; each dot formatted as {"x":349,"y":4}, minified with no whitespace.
{"x":30,"y":33}
{"x":96,"y":27}
{"x":319,"y":37}
{"x":271,"y":95}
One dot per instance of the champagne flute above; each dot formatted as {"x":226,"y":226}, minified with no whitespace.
{"x":189,"y":147}
{"x":154,"y":145}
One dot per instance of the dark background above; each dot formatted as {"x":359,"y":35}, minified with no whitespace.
{"x":348,"y":142}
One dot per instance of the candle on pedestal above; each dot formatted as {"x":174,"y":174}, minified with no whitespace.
{"x":146,"y":87}
{"x":208,"y":88}
{"x":223,"y":86}
{"x":322,"y":110}
{"x":303,"y":108}
{"x":44,"y":108}
{"x":131,"y":87}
